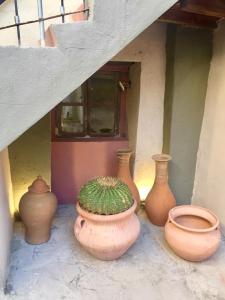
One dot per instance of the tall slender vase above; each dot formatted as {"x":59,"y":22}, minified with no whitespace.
{"x":124,"y":174}
{"x":160,"y":199}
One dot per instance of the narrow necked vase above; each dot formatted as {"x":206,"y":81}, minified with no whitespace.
{"x":124,"y":174}
{"x":160,"y":199}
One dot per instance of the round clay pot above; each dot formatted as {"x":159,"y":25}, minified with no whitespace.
{"x":37,"y":208}
{"x":192,"y":232}
{"x":107,"y":237}
{"x":160,"y":199}
{"x":124,"y":174}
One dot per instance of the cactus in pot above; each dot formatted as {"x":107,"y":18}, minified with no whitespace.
{"x":105,"y":196}
{"x":107,"y":225}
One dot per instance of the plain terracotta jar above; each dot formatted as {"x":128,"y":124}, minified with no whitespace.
{"x":160,"y":199}
{"x":123,"y":173}
{"x":192,"y":232}
{"x":37,"y":208}
{"x":107,"y":237}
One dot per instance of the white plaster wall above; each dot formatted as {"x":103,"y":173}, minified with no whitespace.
{"x":30,"y":156}
{"x":6,"y":212}
{"x":209,"y":186}
{"x":149,"y":49}
{"x":28,"y":11}
{"x":36,"y":79}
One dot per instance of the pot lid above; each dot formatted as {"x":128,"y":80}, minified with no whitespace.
{"x":39,"y":186}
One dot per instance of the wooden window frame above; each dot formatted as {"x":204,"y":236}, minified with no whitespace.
{"x":69,"y":135}
{"x":122,"y":69}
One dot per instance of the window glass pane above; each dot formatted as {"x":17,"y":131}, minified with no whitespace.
{"x":103,"y":100}
{"x":75,"y":97}
{"x":72,"y":120}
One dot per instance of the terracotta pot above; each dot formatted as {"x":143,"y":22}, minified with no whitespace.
{"x":37,"y":208}
{"x":124,"y":174}
{"x":160,"y":199}
{"x":192,"y":232}
{"x":107,"y":237}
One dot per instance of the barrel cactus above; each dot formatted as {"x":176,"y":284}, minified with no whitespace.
{"x":105,"y":196}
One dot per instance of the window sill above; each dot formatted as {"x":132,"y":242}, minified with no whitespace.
{"x":89,"y":139}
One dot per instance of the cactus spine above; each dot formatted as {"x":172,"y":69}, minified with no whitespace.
{"x":105,"y":196}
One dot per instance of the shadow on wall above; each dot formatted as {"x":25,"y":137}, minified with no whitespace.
{"x":189,"y":54}
{"x":30,"y":157}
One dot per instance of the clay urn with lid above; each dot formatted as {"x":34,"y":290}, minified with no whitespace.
{"x":37,"y":208}
{"x":123,"y":173}
{"x":160,"y":199}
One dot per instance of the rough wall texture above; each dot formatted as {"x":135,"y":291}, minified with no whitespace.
{"x":6,"y":212}
{"x":30,"y":156}
{"x":36,"y":79}
{"x":188,"y":61}
{"x":209,"y":187}
{"x":149,"y":50}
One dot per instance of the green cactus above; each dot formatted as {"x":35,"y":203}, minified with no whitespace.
{"x":105,"y":196}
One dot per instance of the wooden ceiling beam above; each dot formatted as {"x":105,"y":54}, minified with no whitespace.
{"x":213,"y":8}
{"x":177,"y":16}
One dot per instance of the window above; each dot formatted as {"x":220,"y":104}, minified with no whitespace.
{"x":95,"y":109}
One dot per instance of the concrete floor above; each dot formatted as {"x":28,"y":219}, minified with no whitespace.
{"x":61,"y":269}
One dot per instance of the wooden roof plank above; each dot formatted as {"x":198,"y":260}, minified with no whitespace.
{"x":178,"y":16}
{"x":214,"y":8}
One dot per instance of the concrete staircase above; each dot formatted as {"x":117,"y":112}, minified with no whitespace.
{"x":34,"y":80}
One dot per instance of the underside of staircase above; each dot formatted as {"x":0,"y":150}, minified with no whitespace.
{"x":34,"y":80}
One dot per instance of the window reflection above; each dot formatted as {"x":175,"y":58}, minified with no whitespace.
{"x":76,"y":97}
{"x":103,"y":104}
{"x":72,"y":119}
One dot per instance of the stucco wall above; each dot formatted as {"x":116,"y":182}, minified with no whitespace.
{"x":6,"y":213}
{"x":30,"y":156}
{"x":148,"y":49}
{"x":28,"y":11}
{"x":132,"y":103}
{"x":36,"y":79}
{"x":209,"y":186}
{"x":188,"y":61}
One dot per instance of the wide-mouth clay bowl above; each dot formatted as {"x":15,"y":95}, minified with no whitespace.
{"x":192,"y":232}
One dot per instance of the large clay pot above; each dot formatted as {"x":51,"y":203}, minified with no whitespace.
{"x":124,"y":174}
{"x":37,"y":208}
{"x":192,"y":232}
{"x":160,"y":199}
{"x":107,"y":237}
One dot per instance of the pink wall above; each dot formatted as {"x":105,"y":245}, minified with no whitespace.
{"x":73,"y":163}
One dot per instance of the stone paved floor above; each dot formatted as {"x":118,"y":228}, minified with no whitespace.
{"x":61,"y":269}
